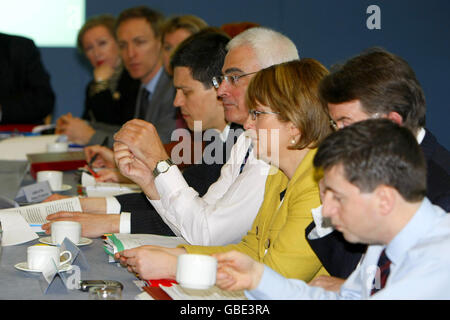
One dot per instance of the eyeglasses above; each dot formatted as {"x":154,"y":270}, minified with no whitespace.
{"x":232,"y":79}
{"x":335,"y":126}
{"x":254,"y":113}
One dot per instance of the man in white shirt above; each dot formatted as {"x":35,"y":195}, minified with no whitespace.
{"x":226,"y":212}
{"x":228,"y":209}
{"x":374,"y":193}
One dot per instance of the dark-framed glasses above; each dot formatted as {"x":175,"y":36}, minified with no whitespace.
{"x":254,"y":113}
{"x":230,"y":79}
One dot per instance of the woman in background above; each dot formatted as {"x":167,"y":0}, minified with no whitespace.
{"x":111,"y":95}
{"x":174,"y":31}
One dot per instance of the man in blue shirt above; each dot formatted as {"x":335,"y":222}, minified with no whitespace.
{"x":374,"y":193}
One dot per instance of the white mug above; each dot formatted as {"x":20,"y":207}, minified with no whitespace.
{"x":62,"y":229}
{"x":57,"y":147}
{"x":196,"y":271}
{"x":38,"y":257}
{"x":53,"y":177}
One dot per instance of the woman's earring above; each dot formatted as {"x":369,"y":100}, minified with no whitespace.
{"x":293,"y":141}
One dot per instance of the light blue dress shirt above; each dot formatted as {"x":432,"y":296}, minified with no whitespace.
{"x":151,"y":85}
{"x":420,"y":269}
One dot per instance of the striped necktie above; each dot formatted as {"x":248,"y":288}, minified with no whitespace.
{"x":384,"y":267}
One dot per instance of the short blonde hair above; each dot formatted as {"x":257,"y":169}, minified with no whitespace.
{"x":291,"y":88}
{"x":106,"y":20}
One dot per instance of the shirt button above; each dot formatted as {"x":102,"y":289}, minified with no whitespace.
{"x":257,"y":230}
{"x":267,"y":244}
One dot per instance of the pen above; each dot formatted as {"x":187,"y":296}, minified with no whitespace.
{"x":104,"y":143}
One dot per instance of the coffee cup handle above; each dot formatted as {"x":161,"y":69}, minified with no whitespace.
{"x":68,"y":259}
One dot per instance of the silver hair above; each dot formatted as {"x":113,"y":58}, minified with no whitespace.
{"x":270,"y":47}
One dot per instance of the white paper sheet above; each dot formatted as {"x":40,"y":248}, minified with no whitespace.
{"x":176,"y":292}
{"x":15,"y":229}
{"x":17,"y":148}
{"x":37,"y":213}
{"x":106,"y":189}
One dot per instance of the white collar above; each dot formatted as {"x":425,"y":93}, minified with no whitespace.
{"x":420,"y":135}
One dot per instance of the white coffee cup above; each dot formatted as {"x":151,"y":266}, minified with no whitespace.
{"x":65,"y":229}
{"x":57,"y":147}
{"x":39,"y":257}
{"x":53,"y":177}
{"x":196,"y":271}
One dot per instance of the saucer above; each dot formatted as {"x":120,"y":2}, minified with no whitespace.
{"x":64,"y":187}
{"x":23,"y":266}
{"x":83,"y":241}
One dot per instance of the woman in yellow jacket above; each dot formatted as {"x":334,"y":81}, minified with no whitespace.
{"x":286,"y":123}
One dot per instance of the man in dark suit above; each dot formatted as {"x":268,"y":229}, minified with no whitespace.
{"x":197,"y":60}
{"x":378,"y":84}
{"x":26,"y":96}
{"x":138,"y":33}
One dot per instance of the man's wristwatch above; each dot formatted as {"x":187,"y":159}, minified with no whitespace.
{"x":162,"y":166}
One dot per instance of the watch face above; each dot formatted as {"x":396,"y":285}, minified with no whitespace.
{"x":163,"y":166}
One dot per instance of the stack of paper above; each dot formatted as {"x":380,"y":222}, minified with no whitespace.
{"x":176,"y":292}
{"x":106,"y":189}
{"x":21,"y":224}
{"x":17,"y":148}
{"x":119,"y":241}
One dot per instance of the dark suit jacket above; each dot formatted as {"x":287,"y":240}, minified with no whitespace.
{"x":112,"y":108}
{"x":145,"y":219}
{"x":26,"y":96}
{"x":160,"y":112}
{"x":438,"y":171}
{"x":340,"y":258}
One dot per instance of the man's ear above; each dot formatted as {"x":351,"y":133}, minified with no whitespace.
{"x":396,"y":117}
{"x":386,"y":196}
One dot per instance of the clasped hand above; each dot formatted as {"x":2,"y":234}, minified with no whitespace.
{"x":137,"y":149}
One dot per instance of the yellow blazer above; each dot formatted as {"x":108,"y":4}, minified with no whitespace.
{"x":277,"y":237}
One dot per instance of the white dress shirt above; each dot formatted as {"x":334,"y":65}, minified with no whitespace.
{"x":420,"y":255}
{"x":113,"y":205}
{"x":226,"y":212}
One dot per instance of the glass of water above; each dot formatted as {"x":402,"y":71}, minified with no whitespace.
{"x":105,"y":293}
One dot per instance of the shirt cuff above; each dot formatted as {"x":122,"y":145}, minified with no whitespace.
{"x":125,"y":222}
{"x":112,"y":205}
{"x":265,"y":286}
{"x":170,"y":182}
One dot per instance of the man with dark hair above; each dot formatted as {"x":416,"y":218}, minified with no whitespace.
{"x":376,"y":84}
{"x":374,"y":189}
